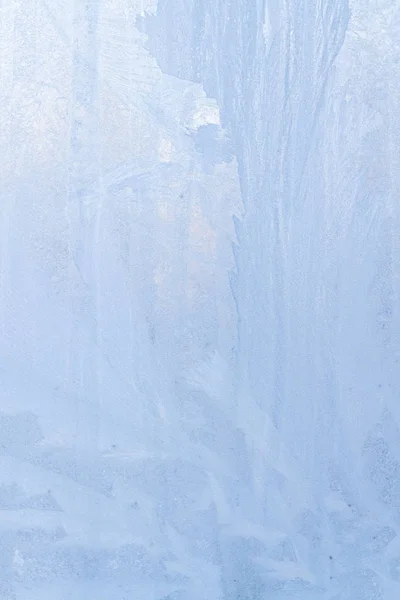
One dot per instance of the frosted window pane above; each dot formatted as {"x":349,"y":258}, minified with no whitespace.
{"x":199,"y":300}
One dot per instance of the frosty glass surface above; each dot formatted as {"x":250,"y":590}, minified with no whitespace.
{"x":199,"y":300}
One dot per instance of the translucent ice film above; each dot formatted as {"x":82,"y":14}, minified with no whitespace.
{"x":199,"y":300}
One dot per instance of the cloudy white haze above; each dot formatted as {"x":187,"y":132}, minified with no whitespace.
{"x":199,"y":300}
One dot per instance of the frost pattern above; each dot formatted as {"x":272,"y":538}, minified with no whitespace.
{"x":199,"y":300}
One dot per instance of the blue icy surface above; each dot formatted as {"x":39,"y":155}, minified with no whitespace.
{"x":199,"y":300}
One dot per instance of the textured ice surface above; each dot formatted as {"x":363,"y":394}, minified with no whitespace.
{"x":199,"y":300}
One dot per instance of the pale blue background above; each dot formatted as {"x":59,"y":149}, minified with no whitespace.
{"x":199,"y":300}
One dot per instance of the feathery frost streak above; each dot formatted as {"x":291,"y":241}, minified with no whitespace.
{"x":199,"y":300}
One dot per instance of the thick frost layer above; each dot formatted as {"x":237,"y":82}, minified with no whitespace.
{"x":308,"y":96}
{"x":199,"y":300}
